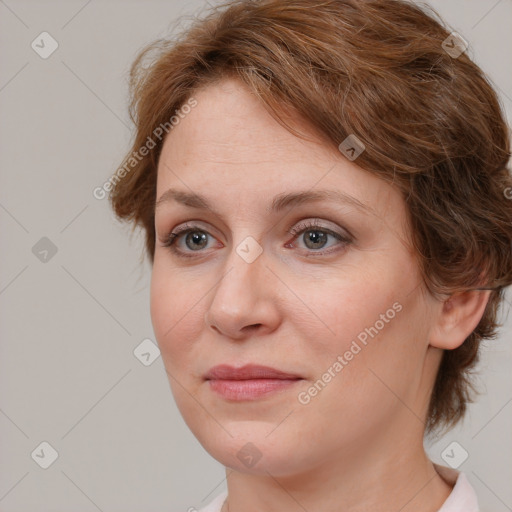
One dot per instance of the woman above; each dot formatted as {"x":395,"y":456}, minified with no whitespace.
{"x":322,"y":188}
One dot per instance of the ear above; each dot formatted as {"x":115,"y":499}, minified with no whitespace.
{"x":457,"y":318}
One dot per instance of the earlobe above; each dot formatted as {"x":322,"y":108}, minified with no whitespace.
{"x":457,"y":318}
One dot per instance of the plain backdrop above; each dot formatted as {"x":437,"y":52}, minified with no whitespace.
{"x":74,"y":296}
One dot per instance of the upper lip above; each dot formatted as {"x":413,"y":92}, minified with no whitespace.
{"x":249,"y":371}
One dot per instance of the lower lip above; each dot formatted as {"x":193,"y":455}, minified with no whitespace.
{"x":250,"y":389}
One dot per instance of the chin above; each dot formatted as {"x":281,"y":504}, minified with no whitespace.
{"x":249,"y":448}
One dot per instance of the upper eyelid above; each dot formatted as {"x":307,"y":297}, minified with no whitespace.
{"x":309,"y":223}
{"x":302,"y":212}
{"x":297,"y":228}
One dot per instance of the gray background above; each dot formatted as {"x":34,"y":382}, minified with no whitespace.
{"x":69,"y":325}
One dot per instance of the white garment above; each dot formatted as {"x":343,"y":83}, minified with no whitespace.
{"x":461,"y":499}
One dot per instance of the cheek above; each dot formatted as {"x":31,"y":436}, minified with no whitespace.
{"x":372,"y":317}
{"x":175,"y":315}
{"x":337,"y":308}
{"x":161,"y":303}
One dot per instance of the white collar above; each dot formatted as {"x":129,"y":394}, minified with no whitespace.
{"x":463,"y":497}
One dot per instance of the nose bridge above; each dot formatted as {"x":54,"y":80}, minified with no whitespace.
{"x":243,"y":271}
{"x":240,"y":297}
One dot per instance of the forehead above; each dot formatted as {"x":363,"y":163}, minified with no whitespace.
{"x":230,"y":145}
{"x":230,"y":123}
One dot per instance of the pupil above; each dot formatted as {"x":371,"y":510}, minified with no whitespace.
{"x":316,"y":237}
{"x":197,"y":238}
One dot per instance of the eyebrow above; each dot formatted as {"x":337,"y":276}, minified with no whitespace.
{"x":279,"y":203}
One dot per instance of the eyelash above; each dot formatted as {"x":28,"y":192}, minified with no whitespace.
{"x":170,"y":241}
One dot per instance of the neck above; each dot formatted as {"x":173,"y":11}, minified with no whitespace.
{"x":397,"y":480}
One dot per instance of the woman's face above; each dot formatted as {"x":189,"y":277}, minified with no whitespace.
{"x":325,"y":290}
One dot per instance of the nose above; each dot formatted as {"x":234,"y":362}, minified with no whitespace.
{"x":245,"y":301}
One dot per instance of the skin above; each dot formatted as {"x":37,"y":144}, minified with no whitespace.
{"x":359,"y":441}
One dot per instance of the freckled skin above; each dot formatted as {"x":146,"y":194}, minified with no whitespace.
{"x":294,"y":309}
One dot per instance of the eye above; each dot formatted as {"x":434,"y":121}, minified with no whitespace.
{"x":194,"y":237}
{"x":315,"y":236}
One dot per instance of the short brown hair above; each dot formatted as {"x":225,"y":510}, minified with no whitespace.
{"x":431,"y":123}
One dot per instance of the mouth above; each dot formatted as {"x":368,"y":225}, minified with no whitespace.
{"x":249,"y":382}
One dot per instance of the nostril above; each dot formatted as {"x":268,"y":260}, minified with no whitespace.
{"x":252,"y":327}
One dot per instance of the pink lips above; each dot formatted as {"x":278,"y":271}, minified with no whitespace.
{"x":248,"y":382}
